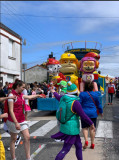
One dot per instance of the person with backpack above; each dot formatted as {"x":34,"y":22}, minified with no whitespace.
{"x":91,"y":105}
{"x":68,"y":115}
{"x":16,"y":118}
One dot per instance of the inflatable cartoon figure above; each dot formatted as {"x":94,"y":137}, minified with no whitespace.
{"x":53,"y":67}
{"x":88,"y":65}
{"x":97,"y":57}
{"x":69,"y":68}
{"x":63,"y":87}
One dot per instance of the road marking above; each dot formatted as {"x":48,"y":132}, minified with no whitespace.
{"x":42,"y":131}
{"x":104,"y":129}
{"x":38,"y":150}
{"x":30,"y":123}
{"x":1,"y":126}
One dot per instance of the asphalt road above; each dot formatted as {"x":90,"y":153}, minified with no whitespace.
{"x":45,"y":148}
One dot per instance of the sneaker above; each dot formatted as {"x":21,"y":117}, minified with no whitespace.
{"x":57,"y":140}
{"x":35,"y":110}
{"x":18,"y":140}
{"x":9,"y":148}
{"x":108,"y":103}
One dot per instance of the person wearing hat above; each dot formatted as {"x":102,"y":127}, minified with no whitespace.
{"x":63,"y":87}
{"x":70,"y":130}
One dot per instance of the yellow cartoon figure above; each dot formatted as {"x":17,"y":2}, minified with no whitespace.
{"x":69,"y":67}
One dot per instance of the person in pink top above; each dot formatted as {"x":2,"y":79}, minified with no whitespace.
{"x":16,"y":118}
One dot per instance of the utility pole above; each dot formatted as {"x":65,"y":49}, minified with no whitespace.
{"x":24,"y":43}
{"x":24,"y":67}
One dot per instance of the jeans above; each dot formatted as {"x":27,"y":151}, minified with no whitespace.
{"x":110,"y":97}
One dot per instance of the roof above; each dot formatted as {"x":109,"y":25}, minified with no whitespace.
{"x":36,"y":66}
{"x":9,"y":30}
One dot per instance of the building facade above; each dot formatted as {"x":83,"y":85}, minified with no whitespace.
{"x":36,"y":73}
{"x":10,"y":54}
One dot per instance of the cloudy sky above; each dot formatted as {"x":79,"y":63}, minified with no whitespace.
{"x":47,"y":25}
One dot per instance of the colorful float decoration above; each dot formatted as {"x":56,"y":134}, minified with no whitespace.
{"x":87,"y":66}
{"x":69,"y":68}
{"x":53,"y":68}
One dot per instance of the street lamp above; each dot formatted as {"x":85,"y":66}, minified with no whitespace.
{"x":24,"y":67}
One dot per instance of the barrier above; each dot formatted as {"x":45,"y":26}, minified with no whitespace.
{"x":103,"y":99}
{"x":47,"y":104}
{"x":52,"y":104}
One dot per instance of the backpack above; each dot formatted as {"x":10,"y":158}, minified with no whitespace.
{"x":62,"y":110}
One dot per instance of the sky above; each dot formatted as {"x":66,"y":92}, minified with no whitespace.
{"x":48,"y":25}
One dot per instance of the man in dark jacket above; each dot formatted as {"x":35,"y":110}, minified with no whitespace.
{"x":2,"y":94}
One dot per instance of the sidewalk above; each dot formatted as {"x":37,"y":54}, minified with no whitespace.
{"x":88,"y":154}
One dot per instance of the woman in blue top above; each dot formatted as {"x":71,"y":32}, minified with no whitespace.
{"x":89,"y":100}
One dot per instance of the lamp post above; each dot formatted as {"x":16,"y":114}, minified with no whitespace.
{"x":23,"y":42}
{"x":24,"y":67}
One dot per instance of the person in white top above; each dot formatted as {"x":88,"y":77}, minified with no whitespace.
{"x":27,"y":107}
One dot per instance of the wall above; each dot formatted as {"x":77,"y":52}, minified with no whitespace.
{"x":36,"y":73}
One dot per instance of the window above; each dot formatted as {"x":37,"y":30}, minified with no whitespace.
{"x":10,"y":48}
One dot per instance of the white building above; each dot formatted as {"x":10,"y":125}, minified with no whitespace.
{"x":10,"y":54}
{"x":36,"y":73}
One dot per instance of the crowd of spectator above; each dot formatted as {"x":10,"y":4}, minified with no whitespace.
{"x":31,"y":89}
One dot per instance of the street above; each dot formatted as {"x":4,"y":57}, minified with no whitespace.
{"x":43,"y":124}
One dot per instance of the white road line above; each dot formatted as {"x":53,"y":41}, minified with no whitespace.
{"x":42,"y":131}
{"x":1,"y":126}
{"x":30,"y":123}
{"x":38,"y":150}
{"x":104,"y":129}
{"x":5,"y":135}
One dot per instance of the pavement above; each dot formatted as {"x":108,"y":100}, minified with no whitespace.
{"x":45,"y":148}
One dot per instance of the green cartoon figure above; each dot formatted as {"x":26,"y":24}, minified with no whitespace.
{"x":63,"y":87}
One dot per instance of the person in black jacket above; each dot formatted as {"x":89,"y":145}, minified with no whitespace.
{"x":2,"y":94}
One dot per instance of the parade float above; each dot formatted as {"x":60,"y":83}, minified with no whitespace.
{"x":72,"y":68}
